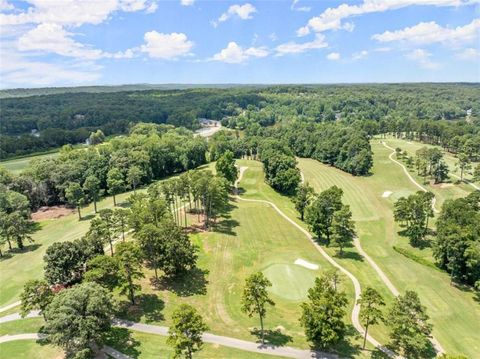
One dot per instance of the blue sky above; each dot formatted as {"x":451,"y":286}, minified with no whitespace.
{"x":87,"y":42}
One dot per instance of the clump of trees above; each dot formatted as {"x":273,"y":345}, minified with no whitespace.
{"x":330,"y":220}
{"x":430,"y":162}
{"x":280,"y":166}
{"x":323,"y":313}
{"x":15,"y":224}
{"x":81,"y":176}
{"x":413,"y":213}
{"x":456,"y":246}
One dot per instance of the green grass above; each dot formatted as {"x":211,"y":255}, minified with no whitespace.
{"x":29,"y":349}
{"x":149,"y":346}
{"x":290,"y":281}
{"x":27,"y":325}
{"x":454,"y":312}
{"x":18,"y":267}
{"x":252,"y":237}
{"x":17,"y":165}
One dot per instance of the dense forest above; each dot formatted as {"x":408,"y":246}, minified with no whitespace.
{"x":445,"y":114}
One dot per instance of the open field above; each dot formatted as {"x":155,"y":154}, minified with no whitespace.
{"x":253,"y":237}
{"x":29,"y":349}
{"x":18,"y":165}
{"x":454,"y":313}
{"x":443,"y":191}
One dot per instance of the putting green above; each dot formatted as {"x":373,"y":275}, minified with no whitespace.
{"x":290,"y":281}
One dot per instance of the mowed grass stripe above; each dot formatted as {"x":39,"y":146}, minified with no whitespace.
{"x":454,"y":313}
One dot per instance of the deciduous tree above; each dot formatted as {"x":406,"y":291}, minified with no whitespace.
{"x":78,"y":318}
{"x":255,"y":298}
{"x":36,"y":295}
{"x":185,"y":333}
{"x":322,"y":316}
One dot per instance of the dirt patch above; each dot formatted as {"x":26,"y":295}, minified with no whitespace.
{"x":52,"y":212}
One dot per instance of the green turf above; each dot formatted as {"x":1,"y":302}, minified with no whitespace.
{"x":454,"y":312}
{"x":18,"y":165}
{"x":29,"y":349}
{"x":149,"y":346}
{"x":290,"y":281}
{"x":27,"y":325}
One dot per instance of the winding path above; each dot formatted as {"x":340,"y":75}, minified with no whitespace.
{"x":434,"y":200}
{"x":244,"y":345}
{"x":356,"y":283}
{"x":388,"y":283}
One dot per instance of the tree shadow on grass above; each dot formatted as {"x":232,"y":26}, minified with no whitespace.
{"x":226,"y":224}
{"x":28,"y":248}
{"x":122,"y":340}
{"x":190,"y":283}
{"x":88,"y":217}
{"x":350,"y":255}
{"x":344,"y":347}
{"x":149,"y":306}
{"x":272,"y":337}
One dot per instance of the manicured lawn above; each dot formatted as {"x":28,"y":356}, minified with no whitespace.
{"x":26,"y":349}
{"x":149,"y":346}
{"x":17,"y":165}
{"x":454,"y":313}
{"x":27,"y":325}
{"x":252,"y":237}
{"x":442,"y":191}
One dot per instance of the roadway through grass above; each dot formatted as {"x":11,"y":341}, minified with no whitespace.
{"x":454,"y":312}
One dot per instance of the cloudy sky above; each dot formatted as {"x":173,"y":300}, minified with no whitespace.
{"x":85,"y":42}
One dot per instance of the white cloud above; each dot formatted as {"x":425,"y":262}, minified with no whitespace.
{"x":166,"y":46}
{"x":187,"y":2}
{"x":333,"y":56}
{"x":360,"y":55}
{"x":53,"y":38}
{"x":6,"y":6}
{"x":17,"y":71}
{"x":273,"y":36}
{"x":431,"y":32}
{"x":332,"y":18}
{"x":296,"y":48}
{"x":469,"y":54}
{"x":423,"y":58}
{"x":73,"y":12}
{"x":235,"y":54}
{"x":299,"y":8}
{"x":244,"y":12}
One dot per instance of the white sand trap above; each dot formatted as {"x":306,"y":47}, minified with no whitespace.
{"x":386,"y":194}
{"x":306,"y":264}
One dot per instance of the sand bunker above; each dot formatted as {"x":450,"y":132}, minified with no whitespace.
{"x":306,"y":264}
{"x":386,"y":194}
